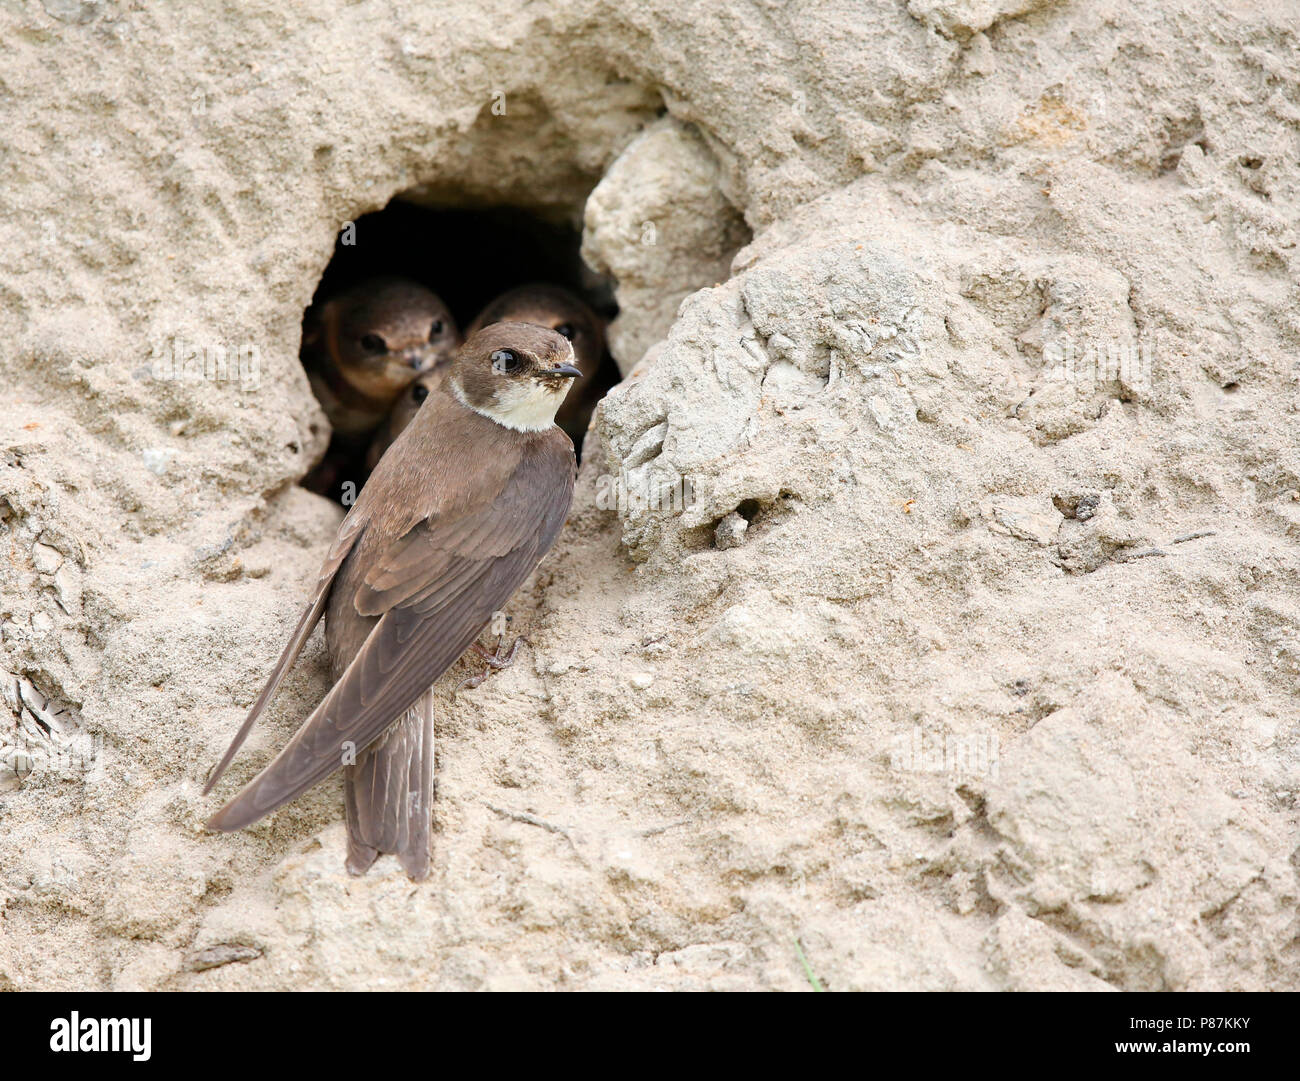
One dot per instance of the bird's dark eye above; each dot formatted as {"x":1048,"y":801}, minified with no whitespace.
{"x":506,"y":360}
{"x":419,"y":392}
{"x":436,"y":329}
{"x":373,"y":343}
{"x":566,"y":330}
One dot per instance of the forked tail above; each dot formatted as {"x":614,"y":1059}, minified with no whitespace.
{"x":389,"y":794}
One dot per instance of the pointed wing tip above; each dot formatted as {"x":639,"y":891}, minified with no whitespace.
{"x":215,"y":823}
{"x":228,"y":757}
{"x":232,"y":817}
{"x":213,"y":778}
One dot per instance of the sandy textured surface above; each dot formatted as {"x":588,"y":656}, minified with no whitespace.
{"x":973,"y":327}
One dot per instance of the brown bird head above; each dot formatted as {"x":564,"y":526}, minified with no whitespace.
{"x":515,"y":374}
{"x":554,"y":307}
{"x":388,"y":331}
{"x":404,"y":410}
{"x":413,"y":397}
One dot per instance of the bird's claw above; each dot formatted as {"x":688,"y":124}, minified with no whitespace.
{"x":497,"y":661}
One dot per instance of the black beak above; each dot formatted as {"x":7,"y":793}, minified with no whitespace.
{"x":562,"y":371}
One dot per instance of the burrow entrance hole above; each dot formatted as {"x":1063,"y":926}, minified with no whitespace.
{"x":468,"y":257}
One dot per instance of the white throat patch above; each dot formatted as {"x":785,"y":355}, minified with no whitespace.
{"x":525,"y":407}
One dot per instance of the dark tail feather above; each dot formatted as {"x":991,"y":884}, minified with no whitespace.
{"x":389,"y":794}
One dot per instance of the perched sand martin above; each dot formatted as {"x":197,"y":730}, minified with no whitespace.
{"x":466,"y":503}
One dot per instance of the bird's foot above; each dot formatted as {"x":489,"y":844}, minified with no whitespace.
{"x":495,"y":661}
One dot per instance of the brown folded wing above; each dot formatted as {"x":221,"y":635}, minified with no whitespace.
{"x":435,"y":589}
{"x":349,"y":532}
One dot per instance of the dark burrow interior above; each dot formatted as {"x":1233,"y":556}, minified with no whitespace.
{"x":468,"y":257}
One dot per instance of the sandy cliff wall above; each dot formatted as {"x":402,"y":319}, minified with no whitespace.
{"x":972,"y":328}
